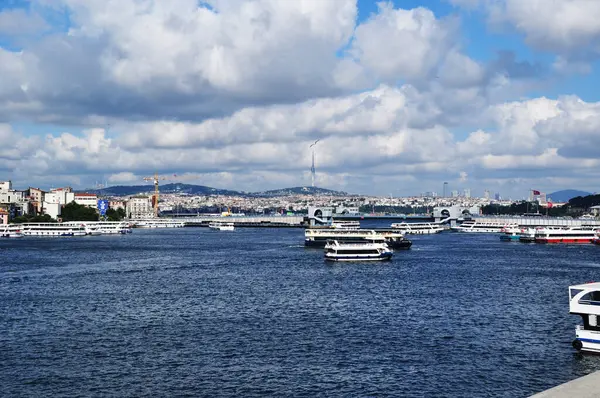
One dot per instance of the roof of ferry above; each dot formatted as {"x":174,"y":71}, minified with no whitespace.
{"x":588,"y":285}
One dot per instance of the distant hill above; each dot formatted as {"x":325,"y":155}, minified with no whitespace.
{"x":300,"y":191}
{"x":566,"y":195}
{"x":126,"y":190}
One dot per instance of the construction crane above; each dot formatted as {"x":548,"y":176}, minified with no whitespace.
{"x":156,"y":178}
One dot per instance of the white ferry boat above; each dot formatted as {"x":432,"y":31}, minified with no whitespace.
{"x":345,"y":224}
{"x":585,"y":301}
{"x":566,"y":235}
{"x":103,"y":227}
{"x":10,"y":231}
{"x":474,"y":226}
{"x":336,"y":251}
{"x":222,"y":225}
{"x":418,"y":228}
{"x":53,"y":229}
{"x":158,"y":223}
{"x":318,"y":237}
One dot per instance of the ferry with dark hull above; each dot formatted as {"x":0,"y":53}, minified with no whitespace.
{"x":317,"y":237}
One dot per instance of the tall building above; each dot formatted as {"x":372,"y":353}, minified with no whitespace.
{"x":139,"y":207}
{"x":5,"y":186}
{"x":467,"y":193}
{"x":497,"y":196}
{"x":455,"y":194}
{"x":486,"y":194}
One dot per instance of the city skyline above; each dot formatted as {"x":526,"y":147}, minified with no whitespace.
{"x":401,"y":96}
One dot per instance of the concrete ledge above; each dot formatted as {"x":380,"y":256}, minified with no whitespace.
{"x":583,"y":387}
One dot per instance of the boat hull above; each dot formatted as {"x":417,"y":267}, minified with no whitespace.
{"x":402,"y":244}
{"x":338,"y":258}
{"x":509,"y":238}
{"x":587,"y":341}
{"x":563,"y":240}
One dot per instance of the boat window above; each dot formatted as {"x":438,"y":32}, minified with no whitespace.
{"x":575,"y":292}
{"x":592,"y":298}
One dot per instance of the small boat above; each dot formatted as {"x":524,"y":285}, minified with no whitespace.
{"x":363,"y":251}
{"x":585,"y":301}
{"x":222,"y":225}
{"x":527,"y":235}
{"x":510,"y":234}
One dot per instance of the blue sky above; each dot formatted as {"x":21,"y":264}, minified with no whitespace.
{"x":232,"y":96}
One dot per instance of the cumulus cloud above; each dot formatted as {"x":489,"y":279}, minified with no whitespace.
{"x":234,"y":92}
{"x":568,"y":28}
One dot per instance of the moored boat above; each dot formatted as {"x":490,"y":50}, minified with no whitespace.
{"x":364,"y":251}
{"x":346,"y":225}
{"x":10,"y":231}
{"x":418,"y":228}
{"x":585,"y":301}
{"x":222,"y":225}
{"x":510,"y":234}
{"x":474,"y":226}
{"x":566,"y":235}
{"x":52,"y":229}
{"x":527,"y":235}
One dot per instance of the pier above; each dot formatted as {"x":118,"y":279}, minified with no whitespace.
{"x":583,"y":387}
{"x":239,"y":221}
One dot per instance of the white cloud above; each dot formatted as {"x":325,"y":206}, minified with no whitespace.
{"x":235,"y":93}
{"x":403,"y":44}
{"x":568,"y":28}
{"x":15,"y":22}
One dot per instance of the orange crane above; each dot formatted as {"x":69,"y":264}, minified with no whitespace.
{"x":156,"y":178}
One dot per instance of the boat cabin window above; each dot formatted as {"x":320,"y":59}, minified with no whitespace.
{"x":592,"y":298}
{"x":575,"y":292}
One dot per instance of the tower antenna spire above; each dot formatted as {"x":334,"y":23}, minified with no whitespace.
{"x":312,"y":168}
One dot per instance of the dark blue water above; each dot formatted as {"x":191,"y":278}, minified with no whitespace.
{"x":252,"y":312}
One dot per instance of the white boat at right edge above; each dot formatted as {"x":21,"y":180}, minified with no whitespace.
{"x":584,"y":300}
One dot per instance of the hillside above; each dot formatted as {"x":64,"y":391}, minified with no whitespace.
{"x":566,"y":195}
{"x":126,"y":190}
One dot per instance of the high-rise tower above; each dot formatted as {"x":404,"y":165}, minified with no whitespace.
{"x":312,"y":168}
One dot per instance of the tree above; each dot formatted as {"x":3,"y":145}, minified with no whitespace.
{"x":115,"y":214}
{"x":76,"y":212}
{"x":25,"y":218}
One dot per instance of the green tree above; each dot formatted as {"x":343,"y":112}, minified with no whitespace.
{"x":76,"y":212}
{"x":115,"y":214}
{"x":31,"y":218}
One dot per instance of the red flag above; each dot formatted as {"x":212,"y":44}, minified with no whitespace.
{"x":549,"y":205}
{"x":536,"y":192}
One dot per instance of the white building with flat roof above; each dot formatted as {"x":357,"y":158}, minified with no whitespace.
{"x":139,"y":207}
{"x":5,"y":186}
{"x":87,"y":199}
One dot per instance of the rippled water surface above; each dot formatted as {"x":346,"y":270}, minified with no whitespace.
{"x":252,"y":312}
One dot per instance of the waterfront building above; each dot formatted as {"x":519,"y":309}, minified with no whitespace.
{"x":139,"y":207}
{"x":36,"y":199}
{"x":87,"y":199}
{"x":63,"y":195}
